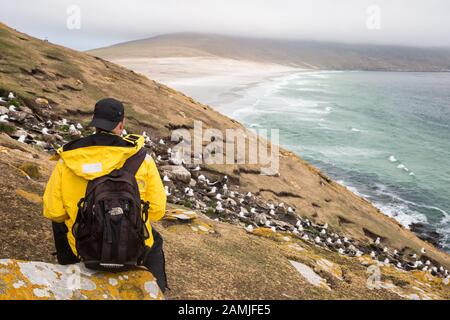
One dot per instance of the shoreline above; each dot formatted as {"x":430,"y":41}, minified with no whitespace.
{"x":220,"y":82}
{"x":213,"y":79}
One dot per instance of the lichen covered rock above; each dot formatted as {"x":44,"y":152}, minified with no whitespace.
{"x":39,"y":280}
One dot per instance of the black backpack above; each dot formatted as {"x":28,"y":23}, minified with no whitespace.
{"x":110,"y":228}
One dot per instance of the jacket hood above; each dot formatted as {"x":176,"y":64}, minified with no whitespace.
{"x":99,"y":154}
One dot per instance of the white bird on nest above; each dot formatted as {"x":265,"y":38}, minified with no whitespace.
{"x":166,"y":189}
{"x":201,"y":178}
{"x":79,"y":126}
{"x":197,"y":168}
{"x":249,"y":194}
{"x":241,"y":214}
{"x":252,"y":210}
{"x":305,"y":237}
{"x":161,"y":142}
{"x":11,"y":95}
{"x":271,"y":206}
{"x":213,"y":190}
{"x":272,"y":212}
{"x":399,"y":265}
{"x":329,"y":240}
{"x":219,"y":196}
{"x":358,"y":253}
{"x":268,"y":223}
{"x":249,"y":228}
{"x":73,"y":130}
{"x":273,"y":229}
{"x":290,"y":210}
{"x":219,"y":207}
{"x":341,"y":251}
{"x":22,"y":138}
{"x":3,"y":118}
{"x":12,"y":108}
{"x":225,"y":187}
{"x":386,"y":261}
{"x":372,"y":254}
{"x":395,"y":252}
{"x":385,"y":249}
{"x":166,"y":178}
{"x":323,"y":231}
{"x":317,"y":240}
{"x":377,"y":241}
{"x":338,"y":241}
{"x":190,"y":193}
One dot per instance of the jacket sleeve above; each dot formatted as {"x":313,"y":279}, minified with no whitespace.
{"x":155,"y":193}
{"x":53,"y":203}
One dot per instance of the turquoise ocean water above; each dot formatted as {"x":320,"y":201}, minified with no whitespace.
{"x":384,"y":135}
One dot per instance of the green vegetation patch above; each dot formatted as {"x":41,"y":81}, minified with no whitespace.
{"x":6,"y":128}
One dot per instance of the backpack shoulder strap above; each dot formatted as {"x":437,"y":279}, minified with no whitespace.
{"x":134,"y":162}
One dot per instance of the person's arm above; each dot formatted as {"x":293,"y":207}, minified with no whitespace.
{"x":53,"y":204}
{"x":155,"y":193}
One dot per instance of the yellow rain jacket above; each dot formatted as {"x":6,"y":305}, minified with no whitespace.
{"x":89,"y":158}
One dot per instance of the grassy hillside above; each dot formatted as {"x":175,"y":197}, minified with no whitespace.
{"x":199,"y":265}
{"x":304,"y":54}
{"x":218,"y":261}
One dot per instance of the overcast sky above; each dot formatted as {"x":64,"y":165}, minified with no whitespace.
{"x":105,"y":22}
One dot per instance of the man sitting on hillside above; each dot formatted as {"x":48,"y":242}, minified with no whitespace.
{"x":107,"y":227}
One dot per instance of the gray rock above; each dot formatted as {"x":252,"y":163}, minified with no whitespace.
{"x":3,"y":110}
{"x":18,"y":115}
{"x":230,"y":202}
{"x":179,"y":173}
{"x":260,"y":218}
{"x":245,"y":211}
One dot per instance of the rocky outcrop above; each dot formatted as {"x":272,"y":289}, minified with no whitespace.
{"x":178,"y":173}
{"x":39,"y":280}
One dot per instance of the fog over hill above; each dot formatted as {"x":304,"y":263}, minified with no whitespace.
{"x":303,"y":54}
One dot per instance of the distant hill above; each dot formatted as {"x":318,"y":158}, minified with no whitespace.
{"x":305,"y":54}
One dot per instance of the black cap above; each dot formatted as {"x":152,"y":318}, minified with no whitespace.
{"x":107,"y":114}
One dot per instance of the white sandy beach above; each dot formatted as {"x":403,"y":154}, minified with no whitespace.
{"x":211,"y":80}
